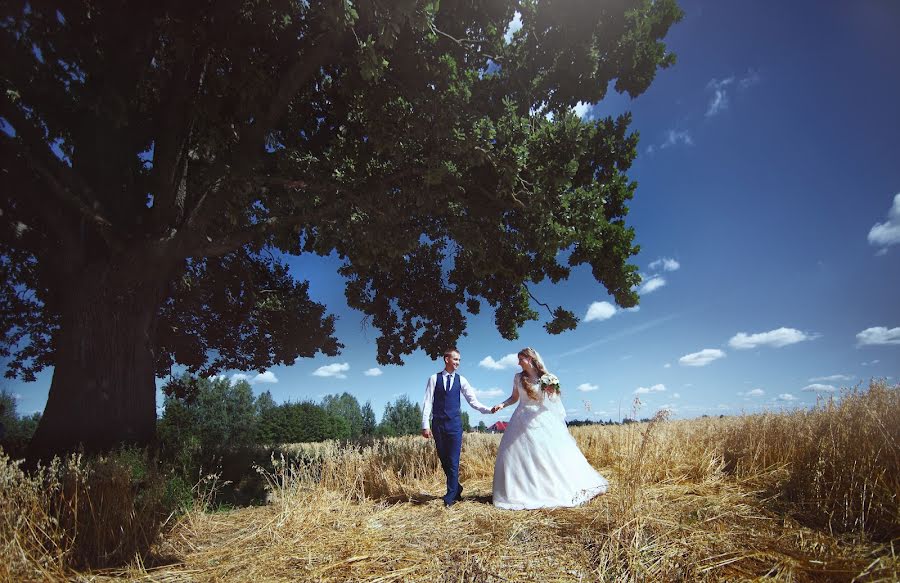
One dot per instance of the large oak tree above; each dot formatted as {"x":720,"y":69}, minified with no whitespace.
{"x":159,"y":158}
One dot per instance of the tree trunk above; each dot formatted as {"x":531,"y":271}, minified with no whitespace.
{"x":103,"y":392}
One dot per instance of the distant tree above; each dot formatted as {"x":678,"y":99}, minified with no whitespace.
{"x":464,"y":415}
{"x":15,"y":430}
{"x":369,"y":424}
{"x":401,"y":418}
{"x":216,"y":416}
{"x":8,"y":415}
{"x":156,"y":154}
{"x":264,"y":403}
{"x":481,"y":427}
{"x":347,"y":407}
{"x":301,"y":423}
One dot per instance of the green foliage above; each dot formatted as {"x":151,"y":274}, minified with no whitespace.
{"x":401,"y":417}
{"x":465,"y":420}
{"x":202,"y":141}
{"x":302,"y":422}
{"x":345,"y":406}
{"x":15,"y":431}
{"x":368,"y":415}
{"x":218,"y":417}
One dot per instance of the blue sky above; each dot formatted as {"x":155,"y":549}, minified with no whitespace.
{"x":768,"y":214}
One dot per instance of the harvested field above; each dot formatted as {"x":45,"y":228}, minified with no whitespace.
{"x":802,"y":496}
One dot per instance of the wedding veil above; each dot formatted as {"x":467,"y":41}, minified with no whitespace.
{"x":552,"y":402}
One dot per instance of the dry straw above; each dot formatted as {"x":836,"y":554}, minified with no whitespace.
{"x":802,"y":496}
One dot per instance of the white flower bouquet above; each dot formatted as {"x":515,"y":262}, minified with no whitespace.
{"x":550,"y":384}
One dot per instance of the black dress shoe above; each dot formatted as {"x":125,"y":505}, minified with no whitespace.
{"x":459,"y":495}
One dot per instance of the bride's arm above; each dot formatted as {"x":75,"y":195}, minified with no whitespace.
{"x":512,"y":398}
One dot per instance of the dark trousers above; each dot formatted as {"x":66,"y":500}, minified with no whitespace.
{"x":449,"y":445}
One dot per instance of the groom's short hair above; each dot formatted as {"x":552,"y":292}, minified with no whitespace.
{"x":450,"y":351}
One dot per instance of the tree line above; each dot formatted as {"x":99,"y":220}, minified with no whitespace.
{"x":216,"y":411}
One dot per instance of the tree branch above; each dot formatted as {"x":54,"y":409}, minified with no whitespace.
{"x":170,"y":155}
{"x":252,"y":139}
{"x":466,"y":41}
{"x":538,"y":302}
{"x":58,"y":177}
{"x":240,"y":238}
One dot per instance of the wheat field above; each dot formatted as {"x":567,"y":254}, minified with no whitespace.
{"x":792,"y":496}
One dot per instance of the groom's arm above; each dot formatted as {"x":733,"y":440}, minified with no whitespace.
{"x":469,"y":393}
{"x":426,"y":407}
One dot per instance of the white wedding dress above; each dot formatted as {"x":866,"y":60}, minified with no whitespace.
{"x":538,"y":463}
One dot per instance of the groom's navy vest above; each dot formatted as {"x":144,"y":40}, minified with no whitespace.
{"x":445,"y":405}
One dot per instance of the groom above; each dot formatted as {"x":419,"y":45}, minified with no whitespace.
{"x":441,"y":412}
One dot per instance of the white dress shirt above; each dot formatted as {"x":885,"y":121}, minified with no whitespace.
{"x":465,"y":388}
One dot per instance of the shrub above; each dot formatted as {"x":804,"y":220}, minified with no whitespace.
{"x":79,"y":512}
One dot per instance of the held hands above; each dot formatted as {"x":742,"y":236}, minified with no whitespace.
{"x":426,"y":433}
{"x":496,"y":408}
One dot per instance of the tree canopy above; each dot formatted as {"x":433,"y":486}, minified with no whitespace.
{"x":159,"y":156}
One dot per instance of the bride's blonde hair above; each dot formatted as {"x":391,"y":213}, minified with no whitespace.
{"x":538,"y":364}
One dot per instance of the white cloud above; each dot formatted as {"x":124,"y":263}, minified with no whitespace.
{"x":753,"y":393}
{"x":508,"y":361}
{"x":587,"y":387}
{"x":599,"y":311}
{"x":702,"y":358}
{"x":832,"y":378}
{"x":486,"y":393}
{"x":374,"y":372}
{"x":819,"y":388}
{"x":887,"y":233}
{"x":654,"y":389}
{"x":676,"y":395}
{"x":878,"y":335}
{"x":652,"y":284}
{"x":667,"y":365}
{"x":750,"y":79}
{"x":673,"y":138}
{"x":582,"y":109}
{"x":870,"y":363}
{"x":336,"y":370}
{"x":265,"y":377}
{"x":776,"y":338}
{"x":786,"y":397}
{"x":514,"y":26}
{"x":238,"y":377}
{"x":666,"y":263}
{"x":719,"y":100}
{"x":720,"y":91}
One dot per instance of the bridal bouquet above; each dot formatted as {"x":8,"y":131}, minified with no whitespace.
{"x":550,"y":384}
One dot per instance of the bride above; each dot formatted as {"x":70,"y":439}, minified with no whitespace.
{"x":538,"y":463}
